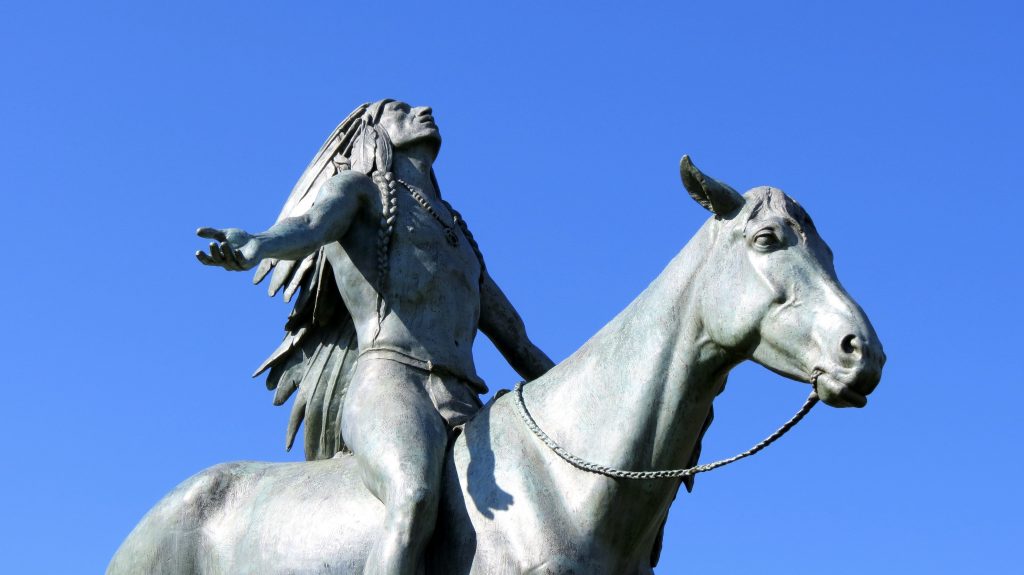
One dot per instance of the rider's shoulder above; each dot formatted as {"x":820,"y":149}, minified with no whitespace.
{"x":349,"y":182}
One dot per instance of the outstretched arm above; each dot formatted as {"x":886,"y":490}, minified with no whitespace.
{"x":333,"y":211}
{"x":501,"y":323}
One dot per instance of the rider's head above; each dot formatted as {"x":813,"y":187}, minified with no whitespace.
{"x":373,"y":131}
{"x":406,"y":125}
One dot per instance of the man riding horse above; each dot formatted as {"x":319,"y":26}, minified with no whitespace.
{"x":393,"y":291}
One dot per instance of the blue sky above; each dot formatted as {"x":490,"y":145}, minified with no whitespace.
{"x":897,"y":125}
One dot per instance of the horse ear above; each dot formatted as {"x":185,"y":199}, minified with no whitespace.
{"x":715,"y":196}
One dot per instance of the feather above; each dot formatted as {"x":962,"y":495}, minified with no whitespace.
{"x":323,"y":174}
{"x":294,"y":420}
{"x":337,"y":141}
{"x":285,"y":374}
{"x":383,"y":151}
{"x":316,"y":359}
{"x":301,"y":315}
{"x":303,"y":309}
{"x":315,"y":399}
{"x":263,"y":269}
{"x":285,"y":389}
{"x":364,"y":150}
{"x":326,"y":298}
{"x":272,"y":361}
{"x":318,"y":362}
{"x":331,"y":400}
{"x":300,"y":273}
{"x":291,"y":339}
{"x":350,"y":359}
{"x":282,"y":271}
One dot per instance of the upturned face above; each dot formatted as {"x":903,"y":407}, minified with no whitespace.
{"x":406,"y":125}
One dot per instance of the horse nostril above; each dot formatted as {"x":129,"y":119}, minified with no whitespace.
{"x":850,"y":345}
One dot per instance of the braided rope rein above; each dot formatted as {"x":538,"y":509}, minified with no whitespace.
{"x":585,"y":465}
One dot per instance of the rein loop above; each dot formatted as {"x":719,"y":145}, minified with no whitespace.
{"x":585,"y":465}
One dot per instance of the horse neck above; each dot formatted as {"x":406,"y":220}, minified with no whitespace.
{"x":637,"y":394}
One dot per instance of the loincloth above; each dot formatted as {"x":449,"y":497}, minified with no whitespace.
{"x":455,"y":398}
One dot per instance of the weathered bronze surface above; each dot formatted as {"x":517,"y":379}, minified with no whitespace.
{"x":392,"y":291}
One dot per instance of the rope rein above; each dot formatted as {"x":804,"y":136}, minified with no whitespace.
{"x":585,"y":465}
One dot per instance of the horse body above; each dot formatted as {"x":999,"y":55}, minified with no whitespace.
{"x":636,"y":396}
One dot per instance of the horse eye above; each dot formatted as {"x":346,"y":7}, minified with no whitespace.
{"x":766,"y":239}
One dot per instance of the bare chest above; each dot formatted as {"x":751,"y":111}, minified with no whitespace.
{"x":426,"y":259}
{"x":428,"y":244}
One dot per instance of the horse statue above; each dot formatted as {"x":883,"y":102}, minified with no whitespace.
{"x":756,"y":282}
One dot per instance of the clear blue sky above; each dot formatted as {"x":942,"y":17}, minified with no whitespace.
{"x":897,"y":125}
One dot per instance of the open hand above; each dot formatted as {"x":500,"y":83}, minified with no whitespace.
{"x":233,"y":249}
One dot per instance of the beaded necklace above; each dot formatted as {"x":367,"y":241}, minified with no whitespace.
{"x":449,"y":231}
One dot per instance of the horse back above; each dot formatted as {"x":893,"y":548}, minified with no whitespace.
{"x":254,"y":517}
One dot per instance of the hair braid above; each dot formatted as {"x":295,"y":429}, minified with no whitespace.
{"x":385,"y":181}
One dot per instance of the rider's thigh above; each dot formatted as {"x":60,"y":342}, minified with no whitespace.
{"x":393,"y":428}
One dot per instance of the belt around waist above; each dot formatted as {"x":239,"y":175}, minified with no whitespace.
{"x":412,"y":361}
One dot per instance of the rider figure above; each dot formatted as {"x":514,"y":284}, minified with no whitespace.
{"x":416,"y":308}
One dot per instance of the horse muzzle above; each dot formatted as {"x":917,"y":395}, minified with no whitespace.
{"x":849,"y":384}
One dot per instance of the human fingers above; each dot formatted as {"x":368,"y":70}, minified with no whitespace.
{"x":242,"y":265}
{"x":231,"y":259}
{"x":215,"y":255}
{"x":212,"y":234}
{"x":204,"y":259}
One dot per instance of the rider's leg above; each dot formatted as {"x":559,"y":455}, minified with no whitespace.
{"x":399,"y":440}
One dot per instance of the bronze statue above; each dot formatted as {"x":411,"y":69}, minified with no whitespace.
{"x":574,"y":472}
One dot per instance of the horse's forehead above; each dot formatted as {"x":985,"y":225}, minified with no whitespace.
{"x":765,"y":201}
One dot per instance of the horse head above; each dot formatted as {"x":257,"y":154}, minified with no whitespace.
{"x":771,"y":294}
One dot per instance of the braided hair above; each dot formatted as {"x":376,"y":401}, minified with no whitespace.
{"x":366,"y":147}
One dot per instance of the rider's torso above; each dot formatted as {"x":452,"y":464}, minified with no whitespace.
{"x":432,"y":290}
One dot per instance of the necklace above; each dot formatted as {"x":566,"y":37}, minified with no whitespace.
{"x":449,"y":231}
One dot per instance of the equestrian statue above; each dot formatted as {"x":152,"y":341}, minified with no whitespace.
{"x":574,"y":471}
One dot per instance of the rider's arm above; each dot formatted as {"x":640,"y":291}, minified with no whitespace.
{"x":335,"y":208}
{"x":500,"y":322}
{"x":333,"y":211}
